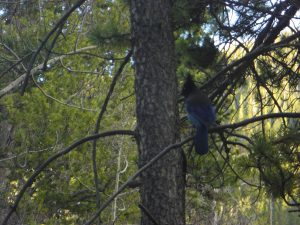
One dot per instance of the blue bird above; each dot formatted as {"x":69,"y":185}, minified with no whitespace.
{"x":201,"y":113}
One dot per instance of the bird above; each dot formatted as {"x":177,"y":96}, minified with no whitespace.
{"x":200,"y":112}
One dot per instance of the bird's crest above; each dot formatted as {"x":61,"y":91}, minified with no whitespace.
{"x":188,"y":86}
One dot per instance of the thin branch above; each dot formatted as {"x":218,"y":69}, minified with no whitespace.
{"x":239,"y":144}
{"x":16,"y":83}
{"x":147,"y":212}
{"x":15,"y":54}
{"x":78,"y":71}
{"x":236,"y":174}
{"x":97,"y":127}
{"x":294,"y":210}
{"x":13,"y":66}
{"x":58,"y":33}
{"x":263,"y":84}
{"x":242,"y":63}
{"x":25,"y":152}
{"x":59,"y":101}
{"x":111,"y":89}
{"x":32,"y":178}
{"x":253,"y":120}
{"x":44,"y":42}
{"x":240,"y":136}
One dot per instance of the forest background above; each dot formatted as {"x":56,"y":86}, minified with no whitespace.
{"x":93,"y":128}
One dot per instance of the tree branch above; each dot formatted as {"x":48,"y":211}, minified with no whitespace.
{"x":177,"y":145}
{"x":97,"y":127}
{"x":44,"y":42}
{"x":32,"y":178}
{"x":14,"y":84}
{"x":150,"y":216}
{"x":253,"y":120}
{"x":132,"y":178}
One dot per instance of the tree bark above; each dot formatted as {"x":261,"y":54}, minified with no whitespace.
{"x":162,"y":188}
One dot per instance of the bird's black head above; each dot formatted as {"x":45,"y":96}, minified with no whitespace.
{"x":188,"y":86}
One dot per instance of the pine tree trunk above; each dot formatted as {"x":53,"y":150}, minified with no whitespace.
{"x":162,"y":190}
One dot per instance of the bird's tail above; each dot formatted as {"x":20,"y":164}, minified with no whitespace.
{"x":201,"y":140}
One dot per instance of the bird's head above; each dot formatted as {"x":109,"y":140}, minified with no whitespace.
{"x":188,"y":86}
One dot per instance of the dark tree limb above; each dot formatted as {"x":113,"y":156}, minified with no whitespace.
{"x":134,"y":176}
{"x":58,"y":33}
{"x":253,"y":120}
{"x":45,"y":40}
{"x":177,"y":145}
{"x":247,"y":59}
{"x":42,"y":167}
{"x":97,"y":127}
{"x":263,"y":43}
{"x":146,"y":211}
{"x":30,"y":181}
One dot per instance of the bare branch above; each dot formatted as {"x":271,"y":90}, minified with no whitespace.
{"x":16,"y":83}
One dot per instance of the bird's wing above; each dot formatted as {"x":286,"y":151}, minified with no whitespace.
{"x":201,"y":114}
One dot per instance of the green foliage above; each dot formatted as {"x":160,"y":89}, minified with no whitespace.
{"x":107,"y":32}
{"x":64,"y":193}
{"x":193,"y":54}
{"x":276,"y":163}
{"x":74,"y":89}
{"x":43,"y":127}
{"x":189,"y":13}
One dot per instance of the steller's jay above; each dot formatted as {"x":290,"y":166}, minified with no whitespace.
{"x":201,"y":113}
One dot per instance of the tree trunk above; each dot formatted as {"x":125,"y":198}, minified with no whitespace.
{"x":162,"y":189}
